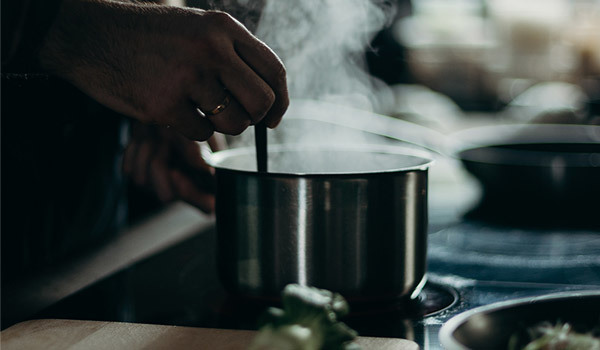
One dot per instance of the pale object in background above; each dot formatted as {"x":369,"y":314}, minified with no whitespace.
{"x":448,"y":48}
{"x":548,"y":98}
{"x":529,"y":35}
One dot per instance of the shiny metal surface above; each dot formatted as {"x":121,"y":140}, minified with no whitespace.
{"x":491,"y":326}
{"x":362,"y":234}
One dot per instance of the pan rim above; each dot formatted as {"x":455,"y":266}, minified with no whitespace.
{"x":469,"y":144}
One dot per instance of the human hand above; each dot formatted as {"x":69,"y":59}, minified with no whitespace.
{"x":169,"y":165}
{"x":165,"y":65}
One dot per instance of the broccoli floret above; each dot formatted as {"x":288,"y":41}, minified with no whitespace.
{"x":308,"y":321}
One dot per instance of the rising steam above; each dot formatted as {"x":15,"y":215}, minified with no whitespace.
{"x":322,"y":44}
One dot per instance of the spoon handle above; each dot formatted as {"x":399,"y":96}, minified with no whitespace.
{"x":260,"y":140}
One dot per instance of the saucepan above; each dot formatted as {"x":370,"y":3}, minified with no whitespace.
{"x":542,"y":173}
{"x":348,"y":218}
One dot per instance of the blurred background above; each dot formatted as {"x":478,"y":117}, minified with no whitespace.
{"x":437,"y":62}
{"x":436,"y":66}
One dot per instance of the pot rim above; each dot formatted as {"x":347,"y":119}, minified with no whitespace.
{"x":425,"y":159}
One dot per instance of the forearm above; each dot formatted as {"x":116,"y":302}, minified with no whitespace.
{"x":165,"y":64}
{"x":95,"y":45}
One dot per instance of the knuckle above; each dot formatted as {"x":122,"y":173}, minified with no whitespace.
{"x":276,"y":113}
{"x":280,"y":76}
{"x":263,"y":105}
{"x":284,"y":102}
{"x":220,"y":18}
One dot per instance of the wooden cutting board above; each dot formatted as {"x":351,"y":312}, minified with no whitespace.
{"x":71,"y":334}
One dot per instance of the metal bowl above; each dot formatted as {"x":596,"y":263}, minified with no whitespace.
{"x":491,"y":327}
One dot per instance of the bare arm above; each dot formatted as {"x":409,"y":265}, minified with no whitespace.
{"x":165,"y":65}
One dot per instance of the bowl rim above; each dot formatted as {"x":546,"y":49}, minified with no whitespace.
{"x":446,"y":334}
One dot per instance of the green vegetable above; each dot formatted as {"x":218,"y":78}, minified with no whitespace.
{"x":308,"y":321}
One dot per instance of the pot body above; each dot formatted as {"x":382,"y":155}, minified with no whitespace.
{"x":362,"y":235}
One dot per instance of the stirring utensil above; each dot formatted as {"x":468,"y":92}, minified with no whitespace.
{"x":260,"y":140}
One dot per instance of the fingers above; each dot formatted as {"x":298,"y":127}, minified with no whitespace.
{"x":251,"y":72}
{"x":189,"y":154}
{"x":217,"y":142}
{"x":207,"y":93}
{"x":169,"y":184}
{"x":269,"y":67}
{"x":189,"y":192}
{"x":190,"y":122}
{"x":244,"y":67}
{"x":145,"y":161}
{"x":248,"y":88}
{"x":251,"y":99}
{"x":141,"y":165}
{"x":232,"y":120}
{"x":169,"y":165}
{"x":159,"y":176}
{"x":220,"y":58}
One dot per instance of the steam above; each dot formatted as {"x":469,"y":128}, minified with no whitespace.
{"x":322,"y":44}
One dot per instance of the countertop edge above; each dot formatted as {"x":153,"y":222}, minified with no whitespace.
{"x":175,"y":223}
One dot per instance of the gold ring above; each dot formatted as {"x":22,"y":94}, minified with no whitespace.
{"x":221,"y":107}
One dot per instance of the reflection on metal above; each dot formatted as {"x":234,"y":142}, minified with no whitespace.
{"x":361,"y":234}
{"x":302,"y":214}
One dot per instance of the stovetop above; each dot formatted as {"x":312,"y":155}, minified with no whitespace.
{"x":534,"y":255}
{"x":469,"y":264}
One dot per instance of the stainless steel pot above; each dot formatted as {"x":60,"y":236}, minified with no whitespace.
{"x":348,"y":219}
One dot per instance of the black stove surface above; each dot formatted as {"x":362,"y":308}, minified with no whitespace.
{"x":483,"y":251}
{"x":180,"y":287}
{"x":469,"y":264}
